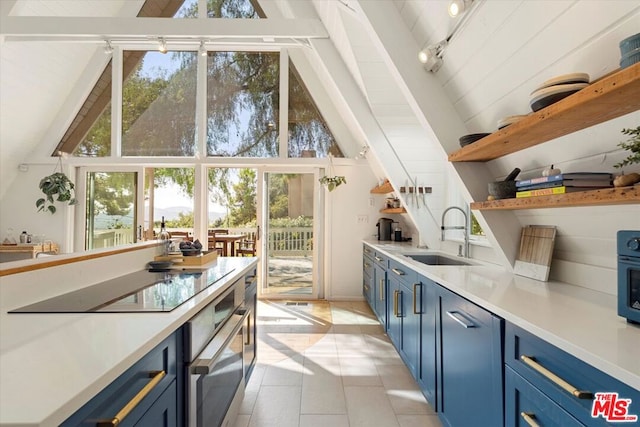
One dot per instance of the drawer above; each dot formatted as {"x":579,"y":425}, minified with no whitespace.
{"x":402,"y":272}
{"x":381,"y":260}
{"x":143,"y":383}
{"x":368,"y":251}
{"x":567,"y":380}
{"x":526,"y":405}
{"x":367,"y":265}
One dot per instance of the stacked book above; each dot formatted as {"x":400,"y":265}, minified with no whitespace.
{"x":563,"y":183}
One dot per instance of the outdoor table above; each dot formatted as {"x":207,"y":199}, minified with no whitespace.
{"x":229,"y":242}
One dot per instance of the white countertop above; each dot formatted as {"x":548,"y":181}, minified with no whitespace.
{"x":52,"y":364}
{"x":579,"y":321}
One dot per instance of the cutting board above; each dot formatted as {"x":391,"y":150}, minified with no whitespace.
{"x":536,"y":250}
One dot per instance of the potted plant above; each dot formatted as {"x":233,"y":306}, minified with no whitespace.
{"x":56,"y":187}
{"x":632,"y":144}
{"x":332,"y":181}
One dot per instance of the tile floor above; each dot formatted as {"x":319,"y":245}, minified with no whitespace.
{"x":329,"y":364}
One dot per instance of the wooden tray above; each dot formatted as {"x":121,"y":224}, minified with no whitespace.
{"x":189,"y":261}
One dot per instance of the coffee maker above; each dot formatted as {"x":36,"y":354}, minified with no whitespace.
{"x":384,"y":228}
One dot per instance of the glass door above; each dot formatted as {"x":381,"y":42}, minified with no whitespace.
{"x":289,"y":249}
{"x":111,"y":209}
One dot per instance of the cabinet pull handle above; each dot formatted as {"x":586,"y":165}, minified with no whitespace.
{"x":529,"y":418}
{"x":398,"y":271}
{"x":381,"y":290}
{"x":156,"y":377}
{"x":395,"y":303}
{"x":415,"y":292}
{"x":580,"y":394}
{"x":366,"y":264}
{"x":248,"y":341}
{"x":378,"y":258}
{"x":460,"y":319}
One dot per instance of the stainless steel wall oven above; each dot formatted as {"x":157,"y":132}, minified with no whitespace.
{"x":214,"y":355}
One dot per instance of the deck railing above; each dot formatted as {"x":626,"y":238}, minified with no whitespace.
{"x":290,"y":241}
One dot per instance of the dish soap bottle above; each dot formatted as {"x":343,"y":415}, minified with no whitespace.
{"x":164,"y":237}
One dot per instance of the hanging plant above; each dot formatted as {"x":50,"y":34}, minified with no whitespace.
{"x":332,"y":181}
{"x":56,"y":187}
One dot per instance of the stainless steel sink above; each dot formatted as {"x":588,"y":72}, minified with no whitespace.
{"x":434,"y":259}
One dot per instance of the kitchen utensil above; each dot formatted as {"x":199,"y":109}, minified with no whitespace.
{"x":512,"y":175}
{"x":504,"y":189}
{"x":536,"y":250}
{"x":384,"y":228}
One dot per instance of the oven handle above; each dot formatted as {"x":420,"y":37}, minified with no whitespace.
{"x":205,"y":361}
{"x":632,"y":261}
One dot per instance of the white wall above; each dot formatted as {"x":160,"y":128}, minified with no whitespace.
{"x":343,"y":269}
{"x":18,"y":209}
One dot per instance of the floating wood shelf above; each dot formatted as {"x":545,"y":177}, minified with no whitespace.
{"x":606,"y":196}
{"x":612,"y":96}
{"x":394,"y":210}
{"x":382,"y":189}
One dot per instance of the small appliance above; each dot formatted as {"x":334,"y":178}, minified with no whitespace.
{"x":384,"y":228}
{"x":629,"y":275}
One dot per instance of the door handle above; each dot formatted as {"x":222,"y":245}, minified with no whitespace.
{"x":532,"y":363}
{"x":381,"y":287}
{"x":396,"y":298}
{"x":415,"y":292}
{"x":156,"y":377}
{"x":461,"y":319}
{"x":529,"y":418}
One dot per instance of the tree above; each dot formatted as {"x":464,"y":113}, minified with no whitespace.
{"x":243,"y":210}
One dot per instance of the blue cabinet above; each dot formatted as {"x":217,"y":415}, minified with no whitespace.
{"x":404,"y":314}
{"x":380,"y":288}
{"x":566,"y":381}
{"x":470,"y":364}
{"x":525,"y":405}
{"x":154,"y":384}
{"x":426,"y":375}
{"x":367,"y":277}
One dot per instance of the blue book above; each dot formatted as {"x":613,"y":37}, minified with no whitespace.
{"x":574,"y":179}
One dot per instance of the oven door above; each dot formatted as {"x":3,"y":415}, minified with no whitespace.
{"x":629,"y":288}
{"x":217,"y":376}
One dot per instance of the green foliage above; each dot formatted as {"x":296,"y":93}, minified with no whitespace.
{"x":632,"y":144}
{"x":56,"y":187}
{"x":332,"y":182}
{"x":476,"y":230}
{"x":243,"y":202}
{"x":113,"y":192}
{"x":185,"y":220}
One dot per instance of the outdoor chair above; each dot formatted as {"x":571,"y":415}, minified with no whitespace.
{"x":246,"y":247}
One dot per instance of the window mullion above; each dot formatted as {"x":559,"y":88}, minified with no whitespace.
{"x":283,"y":137}
{"x":116,"y":102}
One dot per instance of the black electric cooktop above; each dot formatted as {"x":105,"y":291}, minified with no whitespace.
{"x":142,"y":291}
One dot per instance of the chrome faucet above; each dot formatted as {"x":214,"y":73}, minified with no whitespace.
{"x":457,"y":227}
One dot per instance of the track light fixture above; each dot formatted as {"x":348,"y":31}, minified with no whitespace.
{"x":458,"y":7}
{"x":202,"y":50}
{"x":431,"y":56}
{"x":162,"y":47}
{"x":363,"y":152}
{"x":108,"y":49}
